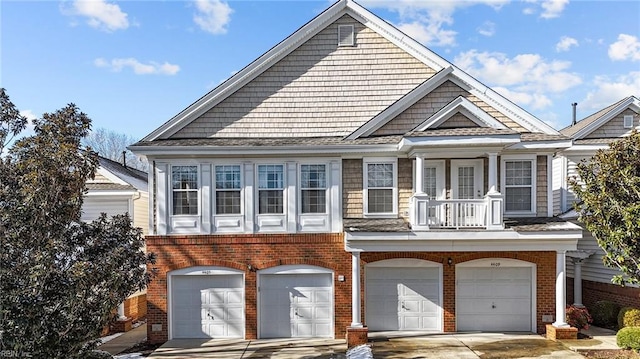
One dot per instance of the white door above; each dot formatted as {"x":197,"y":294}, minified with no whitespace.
{"x":494,"y":299}
{"x":467,"y":182}
{"x":434,"y":187}
{"x":207,"y":306}
{"x":403,"y":298}
{"x":296,"y":305}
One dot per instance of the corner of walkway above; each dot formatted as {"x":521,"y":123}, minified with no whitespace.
{"x":125,"y":341}
{"x":601,"y":339}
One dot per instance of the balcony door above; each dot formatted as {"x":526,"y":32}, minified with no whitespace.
{"x":434,"y":187}
{"x":467,"y":182}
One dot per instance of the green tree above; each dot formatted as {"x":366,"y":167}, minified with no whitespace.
{"x":60,"y":278}
{"x":608,"y":186}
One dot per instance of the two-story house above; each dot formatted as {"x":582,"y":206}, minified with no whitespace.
{"x":589,"y":280}
{"x":351,"y":180}
{"x":119,"y":189}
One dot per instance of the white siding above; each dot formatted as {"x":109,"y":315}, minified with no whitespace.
{"x":559,"y":185}
{"x":94,"y":206}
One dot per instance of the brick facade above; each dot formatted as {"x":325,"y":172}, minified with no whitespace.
{"x":136,"y":307}
{"x":596,"y":291}
{"x":263,"y":251}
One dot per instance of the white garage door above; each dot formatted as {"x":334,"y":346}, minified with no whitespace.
{"x":207,"y":306}
{"x":403,"y":298}
{"x":296,"y":305}
{"x":494,"y":299}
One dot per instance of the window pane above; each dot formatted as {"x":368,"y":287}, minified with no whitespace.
{"x":466,"y":182}
{"x":228,"y":202}
{"x":314,"y":201}
{"x":185,"y":202}
{"x":430,"y":182}
{"x":380,"y":201}
{"x":379,"y":175}
{"x":313,"y":176}
{"x":518,"y":173}
{"x":517,"y":199}
{"x":228,"y":177}
{"x":271,"y":176}
{"x":270,"y":202}
{"x":184,"y":177}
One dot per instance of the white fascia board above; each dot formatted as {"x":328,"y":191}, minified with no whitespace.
{"x":463,"y":241}
{"x":111,"y":176}
{"x":632,"y":102}
{"x":124,"y":194}
{"x":261,"y":150}
{"x":401,"y":105}
{"x":250,"y":72}
{"x":467,"y":141}
{"x":541,"y":145}
{"x":459,"y":104}
{"x":588,"y":150}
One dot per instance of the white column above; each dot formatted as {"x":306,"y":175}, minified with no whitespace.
{"x":561,"y":290}
{"x":577,"y":282}
{"x":493,"y":172}
{"x":121,"y":315}
{"x":356,"y":321}
{"x":419,"y":174}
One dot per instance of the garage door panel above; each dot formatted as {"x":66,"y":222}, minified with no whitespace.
{"x":207,"y":306}
{"x":494,"y":299}
{"x":403,"y":298}
{"x":296,"y":305}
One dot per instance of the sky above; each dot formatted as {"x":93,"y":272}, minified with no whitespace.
{"x":132,"y":65}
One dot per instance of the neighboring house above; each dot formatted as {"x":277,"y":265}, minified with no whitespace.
{"x":348,"y":180}
{"x":119,"y":189}
{"x":590,"y":134}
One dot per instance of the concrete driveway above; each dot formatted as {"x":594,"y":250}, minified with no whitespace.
{"x":468,"y":346}
{"x":415,"y":346}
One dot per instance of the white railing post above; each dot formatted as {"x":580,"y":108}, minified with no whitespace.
{"x":419,"y":215}
{"x":494,"y":218}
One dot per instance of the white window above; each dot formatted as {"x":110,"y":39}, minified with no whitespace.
{"x":346,"y":35}
{"x":519,"y":185}
{"x":228,"y":189}
{"x":270,"y":189}
{"x":313,"y":188}
{"x":184,"y":189}
{"x":380,"y":186}
{"x":628,"y":121}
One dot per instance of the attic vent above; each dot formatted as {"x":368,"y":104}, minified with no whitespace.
{"x":345,"y":35}
{"x":628,"y":121}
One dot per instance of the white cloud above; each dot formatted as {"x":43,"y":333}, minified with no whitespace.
{"x":609,"y":90}
{"x":427,"y":21}
{"x":152,"y":68}
{"x":552,"y":8}
{"x":626,"y":48}
{"x":100,"y":14}
{"x":565,"y":43}
{"x":488,"y":29}
{"x":528,"y":79}
{"x":213,"y":16}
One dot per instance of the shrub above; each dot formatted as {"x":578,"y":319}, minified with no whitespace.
{"x":629,"y":317}
{"x":629,"y":338}
{"x":578,"y":317}
{"x":605,"y":313}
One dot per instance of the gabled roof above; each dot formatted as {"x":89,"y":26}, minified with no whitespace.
{"x":592,"y":122}
{"x":464,"y":106}
{"x":384,"y":29}
{"x":123,"y":177}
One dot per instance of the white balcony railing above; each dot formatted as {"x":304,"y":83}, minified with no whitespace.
{"x":456,"y":213}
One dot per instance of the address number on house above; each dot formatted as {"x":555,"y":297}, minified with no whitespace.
{"x":495,"y":264}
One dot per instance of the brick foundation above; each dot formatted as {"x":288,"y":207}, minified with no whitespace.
{"x":568,"y":333}
{"x":136,"y":307}
{"x":357,"y":336}
{"x":121,"y":325}
{"x":262,"y":251}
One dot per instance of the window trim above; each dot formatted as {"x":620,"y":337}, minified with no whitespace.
{"x":624,"y":121}
{"x":299,"y":188}
{"x":534,"y":185}
{"x":215,"y":189}
{"x":365,"y":188}
{"x":198,"y":190}
{"x":285,"y":184}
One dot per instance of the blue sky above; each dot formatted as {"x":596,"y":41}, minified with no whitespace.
{"x":132,"y":65}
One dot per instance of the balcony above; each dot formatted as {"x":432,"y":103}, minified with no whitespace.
{"x":485,"y":213}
